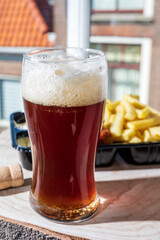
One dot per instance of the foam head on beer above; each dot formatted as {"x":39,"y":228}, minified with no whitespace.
{"x":64,"y":79}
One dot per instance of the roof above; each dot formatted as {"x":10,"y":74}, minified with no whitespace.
{"x":22,"y":24}
{"x":46,"y":9}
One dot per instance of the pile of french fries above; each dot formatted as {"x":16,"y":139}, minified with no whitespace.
{"x":130,"y":121}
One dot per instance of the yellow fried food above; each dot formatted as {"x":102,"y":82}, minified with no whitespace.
{"x":131,"y":121}
{"x":107,"y":115}
{"x":120,"y":109}
{"x":134,"y":101}
{"x":134,"y":96}
{"x":154,"y":111}
{"x":135,"y":140}
{"x":117,"y":125}
{"x":112,"y":118}
{"x":146,"y":136}
{"x":142,"y":113}
{"x":126,"y":135}
{"x":138,"y":134}
{"x":143,"y":124}
{"x":112,"y":105}
{"x":155,"y":133}
{"x":130,"y":110}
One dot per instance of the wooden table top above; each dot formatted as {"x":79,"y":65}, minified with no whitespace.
{"x":129,"y":195}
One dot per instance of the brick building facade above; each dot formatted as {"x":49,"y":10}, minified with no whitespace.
{"x":149,"y":29}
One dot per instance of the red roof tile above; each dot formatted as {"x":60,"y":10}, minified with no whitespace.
{"x":21,"y":24}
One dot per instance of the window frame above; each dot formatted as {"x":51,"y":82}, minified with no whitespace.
{"x":144,"y":15}
{"x":118,"y":10}
{"x":122,"y":64}
{"x":5,"y":122}
{"x":145,"y":60}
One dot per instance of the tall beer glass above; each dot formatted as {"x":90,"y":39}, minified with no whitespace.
{"x":64,"y":91}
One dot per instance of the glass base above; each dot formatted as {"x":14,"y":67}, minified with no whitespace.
{"x":63,"y":215}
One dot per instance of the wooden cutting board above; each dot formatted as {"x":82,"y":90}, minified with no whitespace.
{"x":129,"y":208}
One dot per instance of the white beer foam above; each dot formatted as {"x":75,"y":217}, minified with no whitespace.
{"x":64,"y":85}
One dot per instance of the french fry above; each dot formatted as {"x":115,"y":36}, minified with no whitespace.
{"x":135,"y":140}
{"x":135,"y":96}
{"x":138,"y":134}
{"x":146,"y":136}
{"x":107,"y":115}
{"x":125,"y":137}
{"x":142,"y":113}
{"x":134,"y":101}
{"x":143,"y":124}
{"x":154,"y":111}
{"x":155,"y":133}
{"x":130,"y":110}
{"x":112,"y":105}
{"x":120,"y":109}
{"x":112,"y":118}
{"x":127,"y":134}
{"x":117,"y":125}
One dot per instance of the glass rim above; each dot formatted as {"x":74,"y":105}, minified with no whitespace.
{"x":99,"y":55}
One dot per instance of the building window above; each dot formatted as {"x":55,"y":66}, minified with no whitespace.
{"x":124,"y":68}
{"x":117,"y":6}
{"x":11,"y":57}
{"x":10,"y":97}
{"x":129,"y":61}
{"x":123,"y":81}
{"x":122,"y":10}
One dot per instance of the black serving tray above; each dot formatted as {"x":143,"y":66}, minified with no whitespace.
{"x":17,"y":132}
{"x":134,"y":153}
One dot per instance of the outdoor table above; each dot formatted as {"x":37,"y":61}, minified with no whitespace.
{"x":129,"y":202}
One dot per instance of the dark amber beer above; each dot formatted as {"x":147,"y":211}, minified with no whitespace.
{"x":66,"y":145}
{"x":64,"y":119}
